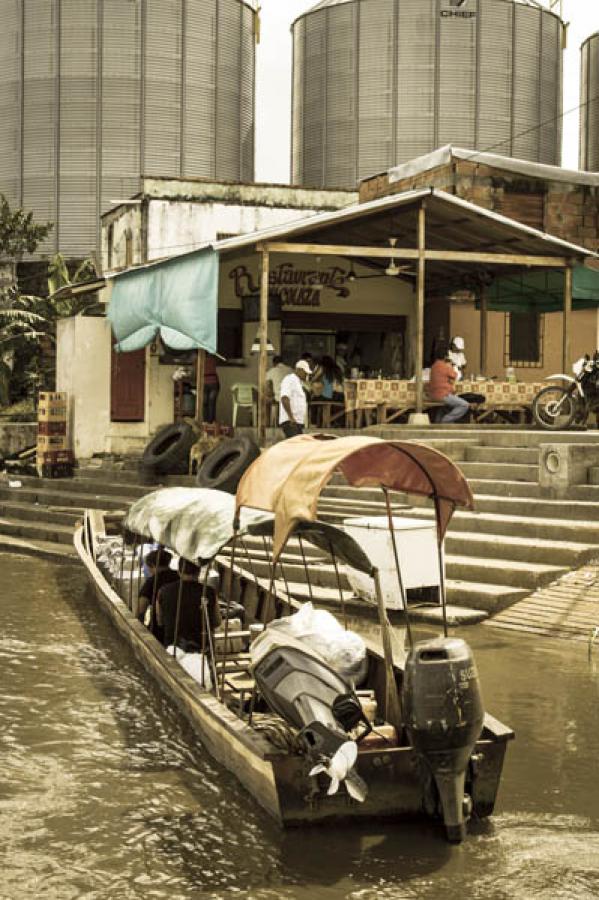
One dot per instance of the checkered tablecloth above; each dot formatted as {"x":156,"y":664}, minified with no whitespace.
{"x":366,"y":393}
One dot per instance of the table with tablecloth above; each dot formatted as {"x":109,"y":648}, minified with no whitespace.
{"x":391,"y":398}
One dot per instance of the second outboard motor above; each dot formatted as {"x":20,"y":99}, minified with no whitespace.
{"x":443,"y":714}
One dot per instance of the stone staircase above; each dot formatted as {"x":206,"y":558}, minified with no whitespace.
{"x":515,"y":542}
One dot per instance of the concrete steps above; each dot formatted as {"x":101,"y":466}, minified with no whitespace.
{"x":129,"y":487}
{"x":58,"y":494}
{"x":519,"y":549}
{"x":515,"y":543}
{"x":39,"y":548}
{"x":502,"y":455}
{"x":41,"y":531}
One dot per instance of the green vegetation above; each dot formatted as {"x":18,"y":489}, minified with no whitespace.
{"x":28,"y":319}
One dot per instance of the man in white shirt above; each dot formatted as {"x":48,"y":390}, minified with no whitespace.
{"x":293,"y":408}
{"x":275,"y":376}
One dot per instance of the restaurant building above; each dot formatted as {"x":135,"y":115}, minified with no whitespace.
{"x":370,"y":276}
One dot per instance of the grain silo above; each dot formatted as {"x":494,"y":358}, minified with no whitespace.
{"x":589,"y":104}
{"x":378,"y":82}
{"x":96,"y":93}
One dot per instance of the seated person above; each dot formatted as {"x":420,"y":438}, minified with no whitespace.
{"x":157,"y":562}
{"x":441,"y":388}
{"x":330,"y":377}
{"x":191,"y":621}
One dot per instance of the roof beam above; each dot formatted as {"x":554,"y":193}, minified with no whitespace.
{"x":464,"y":256}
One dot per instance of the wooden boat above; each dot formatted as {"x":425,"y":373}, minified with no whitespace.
{"x":279,"y":493}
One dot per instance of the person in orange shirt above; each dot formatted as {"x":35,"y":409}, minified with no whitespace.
{"x":441,"y":388}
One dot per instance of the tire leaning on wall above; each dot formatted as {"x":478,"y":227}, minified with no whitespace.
{"x":168,"y":451}
{"x":222,"y":469}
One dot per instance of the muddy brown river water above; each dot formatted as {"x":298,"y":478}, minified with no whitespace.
{"x":106,"y":793}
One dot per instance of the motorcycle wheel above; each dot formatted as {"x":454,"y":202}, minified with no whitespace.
{"x":554,"y":408}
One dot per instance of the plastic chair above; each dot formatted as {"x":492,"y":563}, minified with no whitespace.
{"x":245,"y":396}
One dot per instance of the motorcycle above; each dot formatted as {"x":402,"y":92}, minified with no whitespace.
{"x":561,"y":406}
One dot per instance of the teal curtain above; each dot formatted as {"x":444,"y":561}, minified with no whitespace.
{"x":543,"y":291}
{"x":176,"y":299}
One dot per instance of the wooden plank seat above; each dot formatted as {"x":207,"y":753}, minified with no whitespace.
{"x":327,"y":412}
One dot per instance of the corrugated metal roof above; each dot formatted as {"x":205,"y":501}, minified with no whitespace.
{"x":517,"y":166}
{"x":472,"y":225}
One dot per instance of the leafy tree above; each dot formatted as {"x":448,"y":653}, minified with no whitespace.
{"x":19,"y":234}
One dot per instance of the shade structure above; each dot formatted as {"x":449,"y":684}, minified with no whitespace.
{"x":287,"y":479}
{"x":543,"y":291}
{"x":193,"y":522}
{"x":176,"y":299}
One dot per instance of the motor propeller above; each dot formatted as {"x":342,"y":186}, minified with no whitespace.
{"x":339,"y":768}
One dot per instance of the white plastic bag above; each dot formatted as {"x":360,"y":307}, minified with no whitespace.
{"x":344,"y":651}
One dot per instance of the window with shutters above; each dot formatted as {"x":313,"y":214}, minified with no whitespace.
{"x":523,"y":344}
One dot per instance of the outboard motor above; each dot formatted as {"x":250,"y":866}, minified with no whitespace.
{"x":298,"y":685}
{"x":443,"y":715}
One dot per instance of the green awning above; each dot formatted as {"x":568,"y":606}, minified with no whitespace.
{"x":543,"y":291}
{"x":176,"y":299}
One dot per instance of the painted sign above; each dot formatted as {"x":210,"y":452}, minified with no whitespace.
{"x":295,"y":287}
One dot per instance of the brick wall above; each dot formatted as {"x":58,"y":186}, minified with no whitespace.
{"x":568,"y":211}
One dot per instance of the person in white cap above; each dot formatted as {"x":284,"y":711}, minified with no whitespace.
{"x":293,"y":408}
{"x":457,"y":357}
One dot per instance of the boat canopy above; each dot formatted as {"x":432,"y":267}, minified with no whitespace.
{"x":333,"y":540}
{"x":287,"y":479}
{"x":198,"y":522}
{"x":193,"y":522}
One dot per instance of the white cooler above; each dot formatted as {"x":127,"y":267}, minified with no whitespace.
{"x":417,"y":550}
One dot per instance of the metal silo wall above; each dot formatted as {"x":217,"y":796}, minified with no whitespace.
{"x":10,"y":102}
{"x":120,"y":104}
{"x":39,"y":128}
{"x":416,"y":78}
{"x":96,"y":93}
{"x":297,"y":102}
{"x":378,"y":82}
{"x":589,"y":98}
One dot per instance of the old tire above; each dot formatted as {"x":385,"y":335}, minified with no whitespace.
{"x":168,"y":451}
{"x":147,"y":475}
{"x":222,"y":469}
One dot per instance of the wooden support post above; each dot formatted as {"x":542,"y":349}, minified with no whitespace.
{"x":566,"y":361}
{"x":263,"y":361}
{"x":419,"y":355}
{"x":200,"y":370}
{"x":483,"y":330}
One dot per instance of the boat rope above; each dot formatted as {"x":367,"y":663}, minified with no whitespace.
{"x":279,"y":733}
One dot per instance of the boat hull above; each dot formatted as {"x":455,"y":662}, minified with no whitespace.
{"x":399,"y":785}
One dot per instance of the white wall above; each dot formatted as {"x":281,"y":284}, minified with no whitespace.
{"x":176,"y":227}
{"x":83,"y":370}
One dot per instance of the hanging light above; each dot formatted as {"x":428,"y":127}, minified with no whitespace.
{"x":351,"y":275}
{"x":255,"y":348}
{"x":392,"y":269}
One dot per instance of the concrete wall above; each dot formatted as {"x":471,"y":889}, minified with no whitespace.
{"x":83,"y":370}
{"x":465,"y":321}
{"x":174,"y":215}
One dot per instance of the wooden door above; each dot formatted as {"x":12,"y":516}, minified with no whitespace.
{"x":128,"y":386}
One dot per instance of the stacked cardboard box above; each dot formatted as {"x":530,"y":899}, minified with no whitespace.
{"x":54,"y":458}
